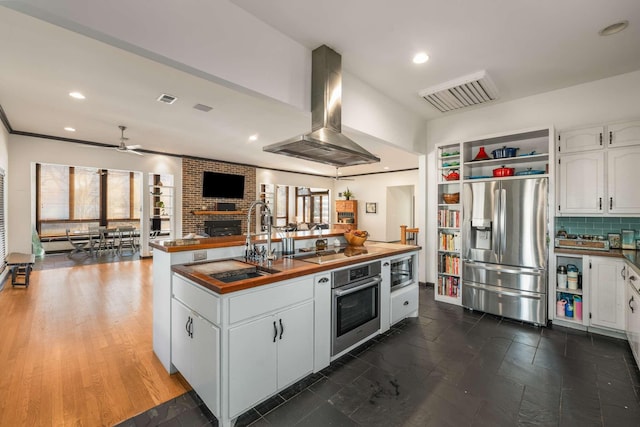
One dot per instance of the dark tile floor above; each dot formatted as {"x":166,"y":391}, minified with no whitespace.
{"x":451,"y":367}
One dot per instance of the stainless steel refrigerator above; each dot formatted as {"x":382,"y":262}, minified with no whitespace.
{"x":504,"y":248}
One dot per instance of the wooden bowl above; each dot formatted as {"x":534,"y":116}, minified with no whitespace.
{"x":354,"y":240}
{"x":451,"y":198}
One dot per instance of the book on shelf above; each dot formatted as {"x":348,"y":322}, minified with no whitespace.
{"x":449,"y":241}
{"x":448,"y":285}
{"x":448,"y":218}
{"x":449,"y":264}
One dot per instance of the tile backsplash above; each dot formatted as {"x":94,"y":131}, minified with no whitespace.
{"x":597,"y":225}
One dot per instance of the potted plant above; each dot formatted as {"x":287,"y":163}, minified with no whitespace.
{"x":347,"y":194}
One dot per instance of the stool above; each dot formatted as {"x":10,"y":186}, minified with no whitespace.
{"x":20,"y":265}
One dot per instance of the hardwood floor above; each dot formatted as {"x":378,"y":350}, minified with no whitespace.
{"x":76,"y":347}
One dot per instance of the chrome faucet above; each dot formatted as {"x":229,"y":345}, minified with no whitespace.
{"x":269,"y":254}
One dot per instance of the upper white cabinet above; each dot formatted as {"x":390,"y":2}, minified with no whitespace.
{"x":623,"y":177}
{"x":581,"y":139}
{"x":581,"y":183}
{"x":623,"y":134}
{"x":607,"y":288}
{"x":599,"y":178}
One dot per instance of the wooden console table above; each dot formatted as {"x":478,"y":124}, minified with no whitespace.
{"x":20,"y":265}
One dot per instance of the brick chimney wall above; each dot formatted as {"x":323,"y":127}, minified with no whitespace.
{"x":192,"y":199}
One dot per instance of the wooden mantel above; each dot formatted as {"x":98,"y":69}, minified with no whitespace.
{"x":218,"y":212}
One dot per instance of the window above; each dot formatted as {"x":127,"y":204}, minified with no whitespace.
{"x":79,"y":197}
{"x":123,"y":200}
{"x":282,"y":205}
{"x":312,"y":205}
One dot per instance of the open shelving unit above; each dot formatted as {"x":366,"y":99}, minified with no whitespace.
{"x":449,"y":222}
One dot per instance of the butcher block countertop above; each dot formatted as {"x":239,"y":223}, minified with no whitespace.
{"x":180,"y":245}
{"x":286,"y":268}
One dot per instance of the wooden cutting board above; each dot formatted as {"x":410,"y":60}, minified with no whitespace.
{"x":216,"y":267}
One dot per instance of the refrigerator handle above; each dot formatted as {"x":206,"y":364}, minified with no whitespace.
{"x":495,"y":228}
{"x":503,"y":221}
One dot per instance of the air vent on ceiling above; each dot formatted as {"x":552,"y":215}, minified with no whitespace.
{"x":167,"y":99}
{"x":202,"y":107}
{"x":466,"y":91}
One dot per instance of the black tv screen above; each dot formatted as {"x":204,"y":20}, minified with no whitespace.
{"x":222,"y":185}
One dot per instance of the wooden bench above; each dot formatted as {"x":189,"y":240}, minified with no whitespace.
{"x":20,"y":265}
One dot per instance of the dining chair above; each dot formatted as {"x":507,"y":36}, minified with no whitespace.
{"x":79,"y":243}
{"x":94,"y":240}
{"x":107,"y":240}
{"x":126,"y":242}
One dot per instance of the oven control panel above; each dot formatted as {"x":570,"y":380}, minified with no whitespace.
{"x":353,"y":274}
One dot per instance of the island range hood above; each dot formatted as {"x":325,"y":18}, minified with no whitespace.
{"x":325,"y":143}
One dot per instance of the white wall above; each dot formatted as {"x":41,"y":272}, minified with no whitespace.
{"x":598,"y":102}
{"x":24,"y":152}
{"x":401,"y":211}
{"x":373,"y":188}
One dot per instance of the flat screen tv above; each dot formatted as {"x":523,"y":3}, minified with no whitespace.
{"x":222,"y":185}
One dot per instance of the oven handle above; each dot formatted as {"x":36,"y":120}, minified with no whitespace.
{"x":374,"y":282}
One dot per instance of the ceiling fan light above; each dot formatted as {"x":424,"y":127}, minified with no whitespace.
{"x":613,"y":28}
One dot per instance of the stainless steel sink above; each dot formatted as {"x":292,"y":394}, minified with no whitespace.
{"x":251,"y":272}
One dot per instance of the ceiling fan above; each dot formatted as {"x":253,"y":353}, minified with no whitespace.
{"x":123,"y":148}
{"x":341,"y":178}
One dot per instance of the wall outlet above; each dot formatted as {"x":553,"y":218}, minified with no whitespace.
{"x":200,"y":255}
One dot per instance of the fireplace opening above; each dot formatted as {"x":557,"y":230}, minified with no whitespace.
{"x":231,"y":227}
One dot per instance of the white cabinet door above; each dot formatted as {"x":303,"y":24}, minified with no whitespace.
{"x":623,"y":134}
{"x":581,"y":140}
{"x":633,"y":321}
{"x":205,"y":362}
{"x":623,"y":178}
{"x":607,"y":288}
{"x":252,"y":363}
{"x":295,"y":343}
{"x":581,"y":184}
{"x":180,"y":338}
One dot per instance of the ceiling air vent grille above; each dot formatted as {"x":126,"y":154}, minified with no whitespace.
{"x":167,"y":99}
{"x":464,"y":92}
{"x":202,"y":107}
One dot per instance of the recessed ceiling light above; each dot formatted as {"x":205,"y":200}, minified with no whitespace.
{"x":69,"y":129}
{"x":614,"y":28}
{"x":76,"y":95}
{"x":420,"y":58}
{"x":386,"y":168}
{"x":253,"y":137}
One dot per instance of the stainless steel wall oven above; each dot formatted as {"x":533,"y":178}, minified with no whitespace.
{"x":355,"y":305}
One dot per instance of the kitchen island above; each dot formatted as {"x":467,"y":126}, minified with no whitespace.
{"x":239,"y":342}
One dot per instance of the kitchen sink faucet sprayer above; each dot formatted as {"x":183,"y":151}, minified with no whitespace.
{"x":270,"y":255}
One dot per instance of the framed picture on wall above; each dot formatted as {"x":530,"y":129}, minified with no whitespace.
{"x":371,"y":207}
{"x":614,"y":240}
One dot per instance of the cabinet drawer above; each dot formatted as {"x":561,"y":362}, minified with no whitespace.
{"x":267,"y":300}
{"x":404,"y":302}
{"x":197,"y":299}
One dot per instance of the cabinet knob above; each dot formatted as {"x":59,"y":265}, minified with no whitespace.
{"x":406,"y":303}
{"x":386,"y":264}
{"x":323,"y":280}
